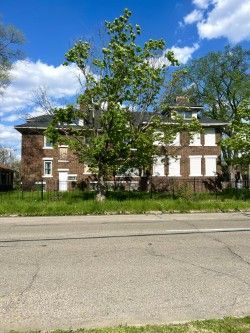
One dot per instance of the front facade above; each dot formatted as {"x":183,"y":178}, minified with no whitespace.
{"x":57,"y":168}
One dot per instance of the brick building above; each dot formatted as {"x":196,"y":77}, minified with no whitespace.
{"x":57,"y":167}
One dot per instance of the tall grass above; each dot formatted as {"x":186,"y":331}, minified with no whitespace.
{"x":82,"y":203}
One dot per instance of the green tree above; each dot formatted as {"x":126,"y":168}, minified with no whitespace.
{"x":239,"y":141}
{"x":117,"y":108}
{"x":9,"y":159}
{"x":10,"y":41}
{"x":220,"y":82}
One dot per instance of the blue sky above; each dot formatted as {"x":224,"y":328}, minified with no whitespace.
{"x":191,"y":29}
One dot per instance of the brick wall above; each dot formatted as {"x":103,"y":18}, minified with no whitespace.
{"x":34,"y":153}
{"x":32,"y":166}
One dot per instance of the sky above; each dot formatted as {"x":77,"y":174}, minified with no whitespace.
{"x":191,"y":28}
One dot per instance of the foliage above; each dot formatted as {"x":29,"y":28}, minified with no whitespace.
{"x":10,"y":39}
{"x":220,"y":82}
{"x":226,"y":325}
{"x":239,"y":141}
{"x":118,"y":104}
{"x":10,"y":160}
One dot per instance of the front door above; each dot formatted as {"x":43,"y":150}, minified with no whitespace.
{"x":63,"y":181}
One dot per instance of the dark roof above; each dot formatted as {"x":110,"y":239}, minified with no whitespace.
{"x":37,"y":122}
{"x":208,"y":121}
{"x":42,"y":122}
{"x":5,"y":168}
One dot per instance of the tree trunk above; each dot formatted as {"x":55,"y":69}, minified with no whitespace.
{"x":101,"y":188}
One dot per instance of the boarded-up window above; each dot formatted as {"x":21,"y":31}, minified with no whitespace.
{"x":159,"y":166}
{"x":195,"y":139}
{"x":63,"y":153}
{"x":195,"y":166}
{"x":210,"y":165}
{"x":174,"y":166}
{"x":176,"y":141}
{"x":210,"y":138}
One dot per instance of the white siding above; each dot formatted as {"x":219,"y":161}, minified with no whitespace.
{"x":159,"y":166}
{"x":210,"y":138}
{"x":195,"y":166}
{"x":195,"y":140}
{"x":174,"y":166}
{"x":210,"y":165}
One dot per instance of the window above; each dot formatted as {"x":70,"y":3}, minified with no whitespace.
{"x":210,"y":165}
{"x":176,"y":141}
{"x":187,"y":114}
{"x":47,"y":168}
{"x":159,"y":166}
{"x":72,"y":177}
{"x":210,"y":137}
{"x":174,"y":166}
{"x":195,"y":166}
{"x":63,"y":153}
{"x":87,"y":170}
{"x":195,"y":139}
{"x":158,"y":137}
{"x":48,"y":144}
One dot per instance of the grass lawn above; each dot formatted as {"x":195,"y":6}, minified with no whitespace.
{"x":227,"y":325}
{"x":82,"y":203}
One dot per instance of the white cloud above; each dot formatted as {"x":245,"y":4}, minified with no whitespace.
{"x":229,"y":19}
{"x":203,"y":4}
{"x":194,"y":16}
{"x":9,"y":137}
{"x":221,"y":18}
{"x":60,"y":82}
{"x":182,"y":54}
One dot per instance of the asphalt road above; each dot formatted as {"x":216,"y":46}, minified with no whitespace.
{"x":71,"y":272}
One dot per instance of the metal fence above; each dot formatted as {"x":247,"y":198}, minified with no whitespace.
{"x":49,"y":189}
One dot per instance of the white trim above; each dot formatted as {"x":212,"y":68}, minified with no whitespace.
{"x":47,"y":176}
{"x":40,"y":183}
{"x":62,"y":170}
{"x":197,"y":156}
{"x":63,"y":161}
{"x":211,"y":156}
{"x":48,"y":158}
{"x":63,"y":146}
{"x":50,"y":161}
